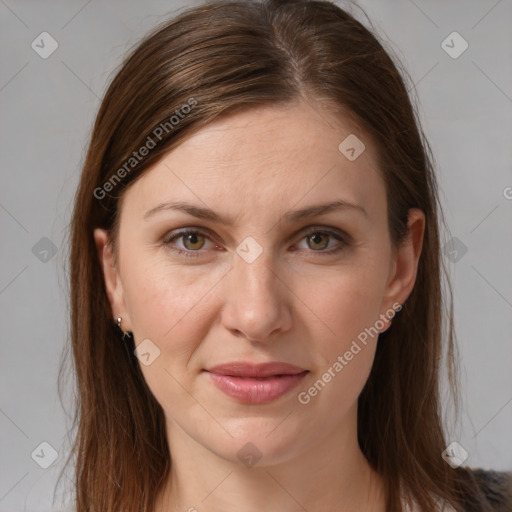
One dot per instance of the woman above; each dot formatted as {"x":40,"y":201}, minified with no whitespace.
{"x":256,"y":297}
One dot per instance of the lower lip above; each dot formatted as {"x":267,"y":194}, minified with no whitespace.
{"x":256,"y":391}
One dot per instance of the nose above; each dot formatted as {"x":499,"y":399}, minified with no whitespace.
{"x":257,"y":300}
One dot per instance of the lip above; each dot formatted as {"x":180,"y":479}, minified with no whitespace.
{"x":245,"y":369}
{"x":256,"y":383}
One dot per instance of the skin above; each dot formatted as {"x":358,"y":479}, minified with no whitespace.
{"x":292,"y":304}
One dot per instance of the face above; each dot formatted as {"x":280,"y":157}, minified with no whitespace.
{"x":216,"y":300}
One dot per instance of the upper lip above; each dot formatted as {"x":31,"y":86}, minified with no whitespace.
{"x":245,"y":369}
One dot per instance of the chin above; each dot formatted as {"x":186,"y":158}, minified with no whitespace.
{"x":258,"y":442}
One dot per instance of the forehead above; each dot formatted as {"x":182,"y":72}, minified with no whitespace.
{"x":296,"y":133}
{"x":265,"y":156}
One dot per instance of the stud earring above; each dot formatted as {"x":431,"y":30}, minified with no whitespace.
{"x":125,"y":333}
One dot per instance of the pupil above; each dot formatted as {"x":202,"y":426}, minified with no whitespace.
{"x":315,"y":238}
{"x":190,"y":239}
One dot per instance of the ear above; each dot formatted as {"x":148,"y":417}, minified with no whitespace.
{"x":113,"y":284}
{"x":404,"y":266}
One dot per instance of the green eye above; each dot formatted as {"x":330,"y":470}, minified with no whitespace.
{"x":193,"y":242}
{"x":316,"y":239}
{"x":192,"y":238}
{"x":317,"y":242}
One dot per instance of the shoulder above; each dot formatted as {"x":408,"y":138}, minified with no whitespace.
{"x":495,"y":489}
{"x":486,"y":491}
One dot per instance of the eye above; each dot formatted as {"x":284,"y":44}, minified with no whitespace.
{"x":318,"y":240}
{"x":195,"y":240}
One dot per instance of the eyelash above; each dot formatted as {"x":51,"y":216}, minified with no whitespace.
{"x":311,"y":231}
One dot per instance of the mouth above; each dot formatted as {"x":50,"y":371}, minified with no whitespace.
{"x":256,"y":383}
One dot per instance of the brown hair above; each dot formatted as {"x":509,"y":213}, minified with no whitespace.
{"x":219,"y":58}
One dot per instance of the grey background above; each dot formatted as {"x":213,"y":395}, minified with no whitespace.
{"x":48,"y":107}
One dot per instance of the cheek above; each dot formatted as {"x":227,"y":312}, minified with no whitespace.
{"x":167,"y":305}
{"x":345,"y":341}
{"x":346,"y":301}
{"x":165,"y":301}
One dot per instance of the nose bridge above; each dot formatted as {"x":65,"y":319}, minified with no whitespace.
{"x":255,"y":298}
{"x":253,"y":269}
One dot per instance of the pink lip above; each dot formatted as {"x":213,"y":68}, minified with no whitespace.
{"x":256,"y":383}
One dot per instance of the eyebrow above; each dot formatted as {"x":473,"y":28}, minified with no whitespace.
{"x":292,"y":216}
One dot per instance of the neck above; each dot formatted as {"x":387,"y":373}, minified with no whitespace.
{"x":315,"y":479}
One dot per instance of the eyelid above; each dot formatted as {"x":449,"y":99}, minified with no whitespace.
{"x":328,"y":230}
{"x":174,"y":235}
{"x":312,"y":228}
{"x":343,"y":238}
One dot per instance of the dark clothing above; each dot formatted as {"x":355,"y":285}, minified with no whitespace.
{"x":495,"y":491}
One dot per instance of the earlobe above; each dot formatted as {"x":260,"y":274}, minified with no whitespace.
{"x":405,"y":267}
{"x":113,"y":285}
